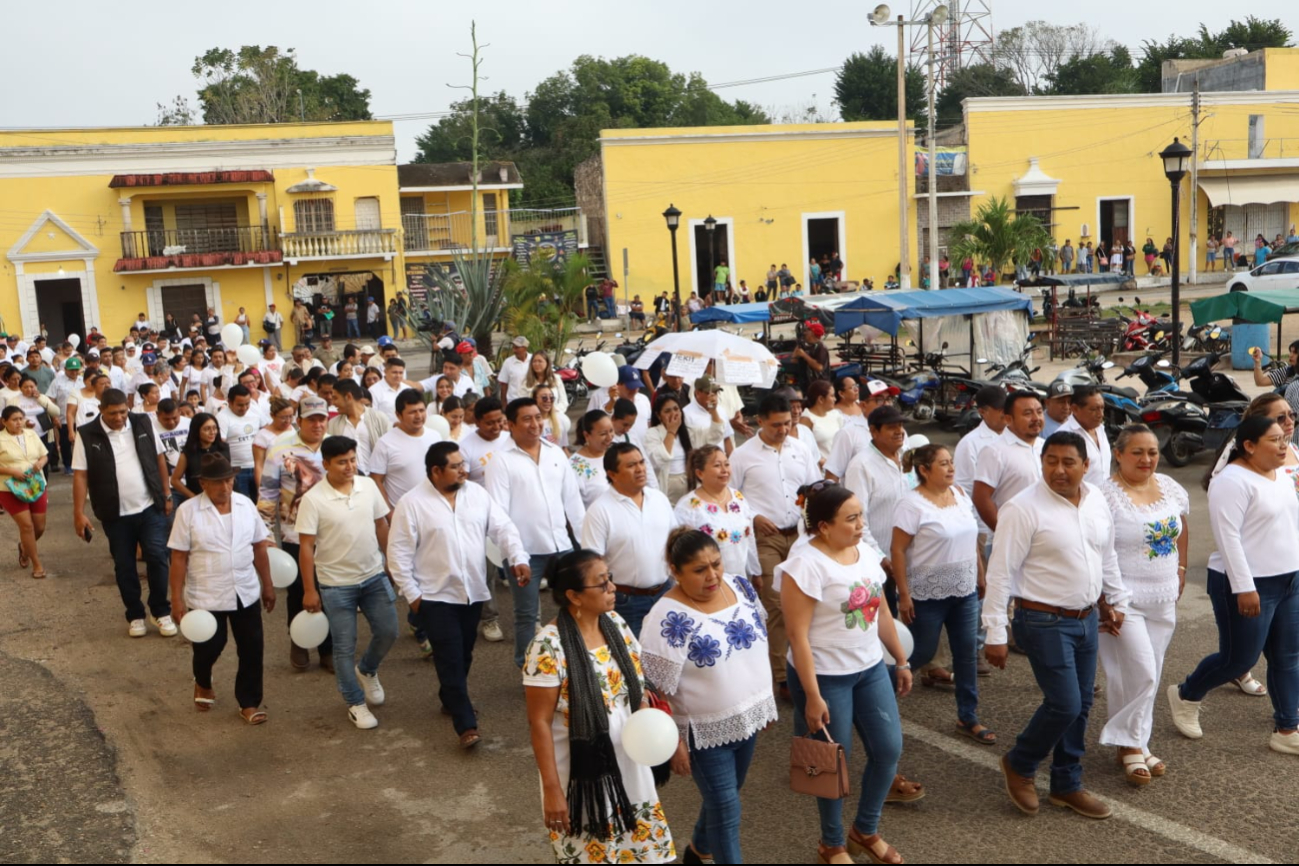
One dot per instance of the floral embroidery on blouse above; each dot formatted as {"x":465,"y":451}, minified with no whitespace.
{"x":862,"y":606}
{"x":1161,"y":537}
{"x":739,"y":634}
{"x":676,"y":628}
{"x":704,"y":650}
{"x":584,"y":469}
{"x":747,"y":588}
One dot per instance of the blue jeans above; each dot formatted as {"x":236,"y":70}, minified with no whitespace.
{"x":527,"y":604}
{"x":1274,"y":633}
{"x":376,"y":599}
{"x":148,"y":529}
{"x":592,"y":308}
{"x":961,"y":617}
{"x":634,"y":608}
{"x":244,"y":483}
{"x":1062,"y":652}
{"x":354,"y":328}
{"x":719,"y":774}
{"x":864,"y":701}
{"x":609,"y":307}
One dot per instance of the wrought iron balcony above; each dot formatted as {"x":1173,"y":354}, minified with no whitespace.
{"x":161,"y":249}
{"x":496,"y":228}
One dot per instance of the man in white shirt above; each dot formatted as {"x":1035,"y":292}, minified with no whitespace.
{"x":383,"y":394}
{"x":1058,"y":406}
{"x":1088,"y":421}
{"x":769,"y":470}
{"x":219,"y":564}
{"x":397,"y":462}
{"x":373,"y":318}
{"x":1054,"y":555}
{"x":342,"y":529}
{"x":533,"y":481}
{"x":1012,"y":463}
{"x":875,"y":476}
{"x":172,"y":429}
{"x":452,"y":370}
{"x":143,"y":376}
{"x":273,"y":325}
{"x":990,"y":402}
{"x":514,"y":370}
{"x":629,"y":525}
{"x":702,"y":412}
{"x":855,"y":434}
{"x":435,"y":553}
{"x":239,"y":424}
{"x":357,"y":421}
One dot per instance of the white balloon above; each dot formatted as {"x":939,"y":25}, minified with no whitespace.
{"x":284,"y":568}
{"x":650,"y":737}
{"x":438,"y":423}
{"x":232,"y":336}
{"x":600,"y":369}
{"x":248,"y":355}
{"x":74,"y":340}
{"x":198,"y":626}
{"x":905,"y":638}
{"x":494,"y":554}
{"x":308,"y":629}
{"x":619,"y":360}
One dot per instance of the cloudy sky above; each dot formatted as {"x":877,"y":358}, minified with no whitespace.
{"x":90,"y":63}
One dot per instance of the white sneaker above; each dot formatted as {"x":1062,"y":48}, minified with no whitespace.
{"x":362,"y":717}
{"x":1186,"y":714}
{"x":545,"y":584}
{"x":1286,"y":744}
{"x":492,"y":632}
{"x":137,"y":628}
{"x":164,"y":625}
{"x":373,"y":690}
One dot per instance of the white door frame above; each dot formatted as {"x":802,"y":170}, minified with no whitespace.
{"x":1132,"y":217}
{"x":153,"y":296}
{"x":86,"y":253}
{"x":729,"y":222}
{"x":843,"y":242}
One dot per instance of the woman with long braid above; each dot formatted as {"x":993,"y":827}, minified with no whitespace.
{"x":583,"y":680}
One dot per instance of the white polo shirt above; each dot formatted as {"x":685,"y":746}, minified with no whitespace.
{"x":1009,"y":465}
{"x":399,"y":458}
{"x":631,"y":537}
{"x":1098,"y":451}
{"x":347,"y":546}
{"x":220,"y":548}
{"x":511,"y":375}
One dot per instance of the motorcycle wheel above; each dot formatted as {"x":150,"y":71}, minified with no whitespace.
{"x":1177,"y":451}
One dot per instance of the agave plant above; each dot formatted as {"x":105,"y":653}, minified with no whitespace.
{"x":472,"y":295}
{"x":997,"y":236}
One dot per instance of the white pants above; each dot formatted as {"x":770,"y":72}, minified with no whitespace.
{"x":1133,"y":663}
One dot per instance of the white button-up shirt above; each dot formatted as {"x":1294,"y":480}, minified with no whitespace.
{"x":880,"y":484}
{"x":1098,"y":450}
{"x":770,"y":479}
{"x":632,"y":537}
{"x":132,"y":491}
{"x":435,"y":552}
{"x":220,"y":549}
{"x":852,"y":438}
{"x":537,"y":495}
{"x":1052,"y":552}
{"x":700,"y":424}
{"x":966,"y":458}
{"x":1009,"y":466}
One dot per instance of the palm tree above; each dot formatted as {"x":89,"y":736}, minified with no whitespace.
{"x":998,"y":236}
{"x":544,"y":302}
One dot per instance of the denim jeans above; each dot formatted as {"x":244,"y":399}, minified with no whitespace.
{"x":148,"y":529}
{"x":609,"y":307}
{"x":592,"y":309}
{"x":719,"y":774}
{"x":527,"y":604}
{"x":865,"y":701}
{"x":354,"y":328}
{"x":961,"y":617}
{"x":634,"y":608}
{"x":244,"y":483}
{"x":453,"y":629}
{"x":1062,"y":652}
{"x":1274,"y":633}
{"x":376,"y":599}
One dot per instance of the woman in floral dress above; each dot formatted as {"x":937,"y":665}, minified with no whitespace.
{"x":720,"y":512}
{"x":583,"y":680}
{"x":594,"y":436}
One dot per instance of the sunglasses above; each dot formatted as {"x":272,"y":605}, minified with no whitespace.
{"x":1284,"y":416}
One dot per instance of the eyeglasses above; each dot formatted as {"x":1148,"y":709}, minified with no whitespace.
{"x":603,"y":587}
{"x":1286,"y":416}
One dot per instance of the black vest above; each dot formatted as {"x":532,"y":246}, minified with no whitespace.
{"x":101,"y":467}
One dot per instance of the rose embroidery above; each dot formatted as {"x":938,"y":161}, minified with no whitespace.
{"x":862,"y":606}
{"x":711,"y":508}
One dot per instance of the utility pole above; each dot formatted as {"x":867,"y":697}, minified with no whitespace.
{"x":1193,"y":266}
{"x":933,"y":173}
{"x":904,"y":175}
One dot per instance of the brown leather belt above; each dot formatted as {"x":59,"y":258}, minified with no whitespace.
{"x":636,"y":590}
{"x":1058,"y":611}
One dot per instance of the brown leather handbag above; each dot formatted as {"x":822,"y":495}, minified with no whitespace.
{"x":818,"y":767}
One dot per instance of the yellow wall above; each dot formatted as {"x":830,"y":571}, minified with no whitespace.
{"x":1282,"y":68}
{"x":762,"y":179}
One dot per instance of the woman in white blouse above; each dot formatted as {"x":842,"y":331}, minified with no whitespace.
{"x":832,"y":597}
{"x":554,"y":423}
{"x":1253,"y":512}
{"x":939,"y":575}
{"x":847,"y":391}
{"x":821,"y":416}
{"x":705,"y":649}
{"x":453,"y":409}
{"x":540,"y":372}
{"x":716,"y":509}
{"x":594,"y":436}
{"x":83,"y":404}
{"x":1151,"y":539}
{"x":668,"y":447}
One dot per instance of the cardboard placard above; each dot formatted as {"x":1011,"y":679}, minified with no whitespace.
{"x":738,"y":369}
{"x":688,"y":365}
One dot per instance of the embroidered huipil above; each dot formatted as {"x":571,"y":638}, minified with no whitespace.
{"x":1145,"y":538}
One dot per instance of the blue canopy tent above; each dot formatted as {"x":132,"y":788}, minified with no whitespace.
{"x":733,"y":314}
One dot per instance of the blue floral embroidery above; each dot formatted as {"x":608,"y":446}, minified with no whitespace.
{"x":1161,"y":537}
{"x":676,"y":628}
{"x":739,"y":634}
{"x":704,"y":650}
{"x":757,"y":621}
{"x":746,"y":588}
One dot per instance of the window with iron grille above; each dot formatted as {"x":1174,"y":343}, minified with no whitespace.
{"x":314,"y":215}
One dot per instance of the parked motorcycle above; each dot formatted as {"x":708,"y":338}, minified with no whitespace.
{"x":1222,"y":403}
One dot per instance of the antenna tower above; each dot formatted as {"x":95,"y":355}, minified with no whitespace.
{"x":964,"y":40}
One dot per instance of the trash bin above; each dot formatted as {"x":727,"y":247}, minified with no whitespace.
{"x":1244,"y":336}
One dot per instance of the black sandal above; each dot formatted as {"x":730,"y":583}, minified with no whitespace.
{"x":985,"y":737}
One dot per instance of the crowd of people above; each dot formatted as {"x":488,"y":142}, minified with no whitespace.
{"x":692,"y":562}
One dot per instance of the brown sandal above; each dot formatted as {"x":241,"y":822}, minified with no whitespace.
{"x":832,"y":854}
{"x":870,"y":846}
{"x":905,"y":791}
{"x":932,"y":679}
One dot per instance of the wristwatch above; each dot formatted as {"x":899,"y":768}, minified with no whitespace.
{"x":904,"y":667}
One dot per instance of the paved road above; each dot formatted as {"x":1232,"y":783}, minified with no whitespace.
{"x":309,"y":787}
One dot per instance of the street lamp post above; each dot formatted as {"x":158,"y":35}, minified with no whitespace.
{"x":673,"y":218}
{"x":1176,"y":157}
{"x":710,"y":225}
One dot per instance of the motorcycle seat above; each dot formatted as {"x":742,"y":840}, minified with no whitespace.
{"x":1130,"y":393}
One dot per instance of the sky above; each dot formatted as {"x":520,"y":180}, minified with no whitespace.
{"x":90,"y":63}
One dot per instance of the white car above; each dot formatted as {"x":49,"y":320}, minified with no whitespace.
{"x":1281,"y":273}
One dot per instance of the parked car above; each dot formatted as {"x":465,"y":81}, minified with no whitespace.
{"x":1281,"y":273}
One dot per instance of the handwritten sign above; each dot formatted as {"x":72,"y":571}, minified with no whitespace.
{"x":688,"y":365}
{"x":733,"y":369}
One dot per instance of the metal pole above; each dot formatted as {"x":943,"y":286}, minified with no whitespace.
{"x":933,"y":173}
{"x":1192,"y":266}
{"x":676,"y":281}
{"x":712,"y":268}
{"x":1177,"y":294}
{"x":904,"y":175}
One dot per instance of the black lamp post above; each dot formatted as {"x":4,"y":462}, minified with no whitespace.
{"x":710,"y":225}
{"x":673,"y":217}
{"x":1176,"y":158}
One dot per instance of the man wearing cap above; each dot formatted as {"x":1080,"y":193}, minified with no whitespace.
{"x":812,"y":355}
{"x":66,"y":383}
{"x":629,"y":388}
{"x":143,"y":376}
{"x":326,"y":355}
{"x":1058,"y":407}
{"x":292,"y":467}
{"x":514,"y":371}
{"x":703,"y":419}
{"x":373,"y":318}
{"x":875,"y":475}
{"x":397,"y":461}
{"x":15,"y":346}
{"x":1014,"y":462}
{"x":219,"y":564}
{"x":855,"y":436}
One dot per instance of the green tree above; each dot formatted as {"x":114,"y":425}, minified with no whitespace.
{"x":981,"y":79}
{"x":866,"y":87}
{"x":502,"y":131}
{"x":997,"y":236}
{"x":1251,"y":34}
{"x":1099,"y":73}
{"x":548,"y":323}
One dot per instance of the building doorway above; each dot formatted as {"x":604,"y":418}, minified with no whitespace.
{"x":337,"y":289}
{"x":1115,"y":221}
{"x":182,"y":303}
{"x":58,"y":304}
{"x":707,"y":257}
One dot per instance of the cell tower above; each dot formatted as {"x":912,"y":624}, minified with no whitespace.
{"x":965,"y":39}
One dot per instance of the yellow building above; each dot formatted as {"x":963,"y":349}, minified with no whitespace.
{"x":779,"y":194}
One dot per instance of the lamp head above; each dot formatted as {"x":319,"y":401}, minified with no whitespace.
{"x":1176,"y":157}
{"x":673,"y":217}
{"x":881,"y":15}
{"x":710,"y":224}
{"x":938,"y":16}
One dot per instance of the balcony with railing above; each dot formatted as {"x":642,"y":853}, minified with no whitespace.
{"x":357,"y":243}
{"x":187,"y":249}
{"x":433,"y":233}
